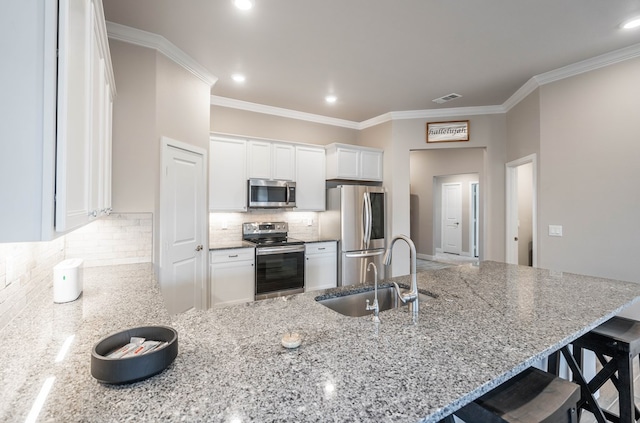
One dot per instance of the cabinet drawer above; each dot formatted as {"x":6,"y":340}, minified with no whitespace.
{"x":320,"y":247}
{"x":232,"y":255}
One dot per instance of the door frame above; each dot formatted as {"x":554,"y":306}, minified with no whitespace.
{"x":511,"y":230}
{"x":474,"y":212}
{"x":202,"y":294}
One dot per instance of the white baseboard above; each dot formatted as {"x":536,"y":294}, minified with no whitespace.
{"x":463,"y":253}
{"x":425,"y":257}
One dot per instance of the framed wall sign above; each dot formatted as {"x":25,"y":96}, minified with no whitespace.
{"x":448,"y":131}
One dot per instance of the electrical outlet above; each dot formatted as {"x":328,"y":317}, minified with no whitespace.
{"x":555,"y":230}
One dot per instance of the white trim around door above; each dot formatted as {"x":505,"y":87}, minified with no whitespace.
{"x":511,"y":244}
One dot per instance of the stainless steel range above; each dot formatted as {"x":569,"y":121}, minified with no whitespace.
{"x":279,"y":259}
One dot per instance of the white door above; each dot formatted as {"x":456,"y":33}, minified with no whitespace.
{"x":182,"y":219}
{"x":452,"y":218}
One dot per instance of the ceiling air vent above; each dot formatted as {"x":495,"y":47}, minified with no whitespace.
{"x":446,"y":98}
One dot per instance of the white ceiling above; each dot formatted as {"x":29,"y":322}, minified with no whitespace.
{"x":379,"y":56}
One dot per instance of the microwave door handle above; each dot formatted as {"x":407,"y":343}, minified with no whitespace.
{"x":286,"y":197}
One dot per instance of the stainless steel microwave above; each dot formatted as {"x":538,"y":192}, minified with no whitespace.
{"x":264,"y":193}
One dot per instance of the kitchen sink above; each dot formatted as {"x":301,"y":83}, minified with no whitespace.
{"x":354,"y":305}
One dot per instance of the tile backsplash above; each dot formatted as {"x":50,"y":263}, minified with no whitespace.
{"x":26,"y":269}
{"x":122,"y":238}
{"x":227,"y":227}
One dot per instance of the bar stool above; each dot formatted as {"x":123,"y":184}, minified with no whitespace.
{"x":618,"y":339}
{"x":533,"y":396}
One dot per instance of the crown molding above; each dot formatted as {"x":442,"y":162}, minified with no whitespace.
{"x":157,"y":42}
{"x":530,"y":86}
{"x":387,"y":117}
{"x":278,"y":111}
{"x":574,"y":69}
{"x":447,"y":112}
{"x":587,"y":65}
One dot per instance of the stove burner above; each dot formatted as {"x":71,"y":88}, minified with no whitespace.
{"x":268,"y":234}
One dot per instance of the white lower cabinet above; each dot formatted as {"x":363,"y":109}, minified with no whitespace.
{"x":232,"y":276}
{"x":321,"y":266}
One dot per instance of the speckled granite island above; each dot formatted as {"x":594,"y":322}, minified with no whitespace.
{"x":486,"y":324}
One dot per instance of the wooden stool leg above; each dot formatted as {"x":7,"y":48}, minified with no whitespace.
{"x":553,"y":363}
{"x":625,"y":378}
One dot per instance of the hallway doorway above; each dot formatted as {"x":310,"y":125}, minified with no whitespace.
{"x":521,"y":213}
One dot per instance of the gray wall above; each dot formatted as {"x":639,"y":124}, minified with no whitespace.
{"x":156,"y":98}
{"x":589,"y":172}
{"x":523,"y":128}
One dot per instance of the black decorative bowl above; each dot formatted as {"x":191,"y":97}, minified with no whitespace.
{"x":133,"y":369}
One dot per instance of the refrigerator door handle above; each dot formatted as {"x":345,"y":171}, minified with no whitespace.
{"x":365,"y":254}
{"x":365,"y":222}
{"x":369,"y":218}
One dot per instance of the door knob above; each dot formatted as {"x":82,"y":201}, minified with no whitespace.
{"x":199,"y":247}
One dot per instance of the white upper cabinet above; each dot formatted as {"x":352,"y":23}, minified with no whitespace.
{"x":352,"y":162}
{"x":83,"y":172}
{"x":371,"y":165}
{"x":310,"y":178}
{"x":271,"y":160}
{"x":57,"y":110}
{"x":227,"y":174}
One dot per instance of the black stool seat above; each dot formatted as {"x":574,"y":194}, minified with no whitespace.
{"x":618,"y":339}
{"x":533,"y":396}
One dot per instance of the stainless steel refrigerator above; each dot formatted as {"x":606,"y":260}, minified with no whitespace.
{"x":356,"y":217}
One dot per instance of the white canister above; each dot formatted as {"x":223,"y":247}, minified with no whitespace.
{"x":67,"y":280}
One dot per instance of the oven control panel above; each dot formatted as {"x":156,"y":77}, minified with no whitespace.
{"x":264,"y":228}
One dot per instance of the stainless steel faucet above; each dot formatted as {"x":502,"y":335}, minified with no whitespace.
{"x":374,"y":307}
{"x":410,"y":297}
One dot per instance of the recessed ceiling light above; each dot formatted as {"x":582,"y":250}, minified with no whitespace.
{"x":243,"y":4}
{"x":331,"y":99}
{"x":238,"y":77}
{"x":631,"y":23}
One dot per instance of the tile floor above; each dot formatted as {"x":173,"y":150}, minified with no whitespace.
{"x":444,"y":260}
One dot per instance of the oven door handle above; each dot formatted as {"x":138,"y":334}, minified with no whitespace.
{"x":264,"y":251}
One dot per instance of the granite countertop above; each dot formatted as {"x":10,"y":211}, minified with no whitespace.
{"x":316,"y":240}
{"x":231,"y":245}
{"x":486,"y":324}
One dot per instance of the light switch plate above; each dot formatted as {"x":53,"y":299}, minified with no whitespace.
{"x":555,"y":230}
